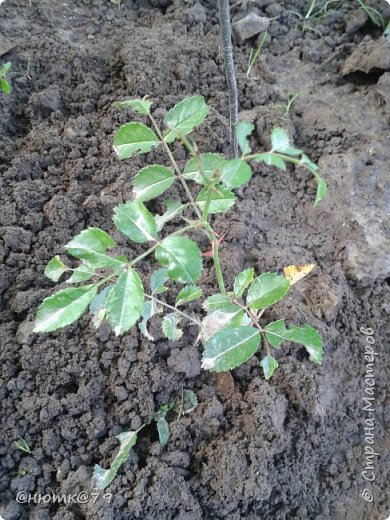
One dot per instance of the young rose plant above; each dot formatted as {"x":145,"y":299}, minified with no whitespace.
{"x":231,"y":331}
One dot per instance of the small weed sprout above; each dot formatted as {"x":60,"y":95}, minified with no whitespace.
{"x":284,"y":108}
{"x":322,"y":11}
{"x":187,"y":403}
{"x":4,"y":84}
{"x":22,"y":445}
{"x":232,"y":330}
{"x":254,"y":55}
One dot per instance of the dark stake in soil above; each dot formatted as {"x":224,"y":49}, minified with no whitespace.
{"x":291,"y":448}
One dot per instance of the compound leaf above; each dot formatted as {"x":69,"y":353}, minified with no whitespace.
{"x":229,"y":348}
{"x":209,"y":164}
{"x":63,"y":308}
{"x":135,"y":221}
{"x":307,"y":336}
{"x":218,"y":320}
{"x":188,"y":294}
{"x":101,"y":477}
{"x":134,"y":137}
{"x":243,"y":131}
{"x":141,"y":106}
{"x":184,"y":116}
{"x":280,"y":140}
{"x":170,"y":326}
{"x":219,"y":302}
{"x":275,"y":333}
{"x":269,"y":365}
{"x":221,"y":199}
{"x":97,"y":306}
{"x":55,"y":269}
{"x":82,"y":273}
{"x":181,"y":257}
{"x":242,"y":281}
{"x":270,"y":159}
{"x":235,"y":172}
{"x":266,"y":290}
{"x":310,"y":339}
{"x":173,"y":209}
{"x":90,"y":245}
{"x":152,"y":181}
{"x":125,"y":302}
{"x":149,"y":310}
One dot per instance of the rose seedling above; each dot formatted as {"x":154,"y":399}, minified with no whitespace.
{"x":233,"y":329}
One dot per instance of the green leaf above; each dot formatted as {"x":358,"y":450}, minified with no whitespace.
{"x":157,"y":280}
{"x":309,"y":338}
{"x":182,"y":258}
{"x":4,"y":69}
{"x":55,"y":269}
{"x":210,"y":164}
{"x":169,"y":326}
{"x":322,"y":190}
{"x":266,"y":290}
{"x":219,"y":302}
{"x":218,"y":320}
{"x":242,"y":281}
{"x":221,"y":199}
{"x":387,"y":30}
{"x":309,"y":164}
{"x":63,"y":308}
{"x":135,"y":221}
{"x":149,"y":310}
{"x":280,"y":140}
{"x":82,"y":273}
{"x":5,"y":86}
{"x":152,"y":181}
{"x":243,"y":131}
{"x":235,"y":172}
{"x":163,"y":431}
{"x":184,"y":116}
{"x":134,"y":137}
{"x":271,"y":159}
{"x":102,"y":478}
{"x":275,"y":333}
{"x":97,"y":306}
{"x":125,"y":302}
{"x":229,"y":348}
{"x":173,"y":209}
{"x":188,"y":294}
{"x":141,"y":106}
{"x":90,"y":245}
{"x":269,"y":365}
{"x":189,"y":401}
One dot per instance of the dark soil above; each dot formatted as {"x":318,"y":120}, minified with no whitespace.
{"x":291,"y":448}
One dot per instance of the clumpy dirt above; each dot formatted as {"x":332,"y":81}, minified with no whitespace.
{"x":290,"y":448}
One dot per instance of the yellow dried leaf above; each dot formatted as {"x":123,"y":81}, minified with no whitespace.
{"x":294,"y":273}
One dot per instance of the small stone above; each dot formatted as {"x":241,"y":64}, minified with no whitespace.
{"x":251,"y":25}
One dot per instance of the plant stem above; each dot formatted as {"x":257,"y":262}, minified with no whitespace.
{"x":175,"y":166}
{"x":175,"y":309}
{"x":226,"y":34}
